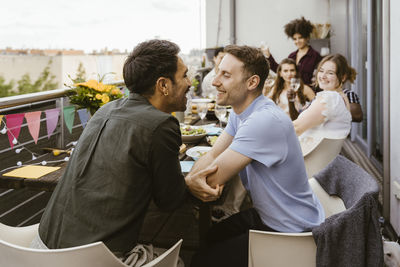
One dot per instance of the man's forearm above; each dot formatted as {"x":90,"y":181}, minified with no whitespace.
{"x":202,"y":163}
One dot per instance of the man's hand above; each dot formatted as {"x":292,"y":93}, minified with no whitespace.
{"x":197,"y":183}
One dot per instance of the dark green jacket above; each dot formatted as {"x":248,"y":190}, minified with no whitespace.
{"x":126,"y":156}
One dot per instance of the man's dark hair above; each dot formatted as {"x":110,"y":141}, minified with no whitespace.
{"x":218,"y":50}
{"x":301,"y":26}
{"x":149,"y":61}
{"x":254,"y":62}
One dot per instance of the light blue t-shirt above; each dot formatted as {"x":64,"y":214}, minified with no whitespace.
{"x":276,"y":177}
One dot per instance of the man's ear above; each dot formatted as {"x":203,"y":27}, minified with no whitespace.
{"x":162,"y":85}
{"x":253,"y":82}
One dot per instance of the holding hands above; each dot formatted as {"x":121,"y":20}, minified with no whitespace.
{"x":198,"y":186}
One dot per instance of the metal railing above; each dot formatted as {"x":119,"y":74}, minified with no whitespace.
{"x":25,"y":103}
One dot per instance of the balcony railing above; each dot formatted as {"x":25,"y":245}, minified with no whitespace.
{"x":40,"y":101}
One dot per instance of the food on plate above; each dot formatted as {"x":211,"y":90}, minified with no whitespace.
{"x":211,"y":139}
{"x":188,"y":130}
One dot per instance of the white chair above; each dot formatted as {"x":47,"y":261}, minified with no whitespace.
{"x":15,"y":252}
{"x":321,"y":155}
{"x":290,"y":249}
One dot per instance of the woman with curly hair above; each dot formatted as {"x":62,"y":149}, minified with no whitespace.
{"x":305,"y":56}
{"x":290,"y":101}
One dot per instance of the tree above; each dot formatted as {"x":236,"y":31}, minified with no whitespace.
{"x":5,"y":88}
{"x":44,"y":82}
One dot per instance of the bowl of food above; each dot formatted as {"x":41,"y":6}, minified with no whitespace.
{"x":192,"y":134}
{"x":196,"y":152}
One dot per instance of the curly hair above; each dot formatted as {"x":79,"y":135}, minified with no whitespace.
{"x":344,"y":72}
{"x":254,"y":62}
{"x":149,"y":61}
{"x":302,"y":26}
{"x":280,"y":83}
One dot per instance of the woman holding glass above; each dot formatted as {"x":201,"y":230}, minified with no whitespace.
{"x":289,"y":92}
{"x":329,"y":115}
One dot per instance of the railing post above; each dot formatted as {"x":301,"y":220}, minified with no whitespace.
{"x":60,"y":137}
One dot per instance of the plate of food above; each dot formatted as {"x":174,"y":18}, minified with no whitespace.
{"x":196,"y":152}
{"x":191,"y":134}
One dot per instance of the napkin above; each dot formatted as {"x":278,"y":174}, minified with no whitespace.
{"x":31,"y":171}
{"x":186,"y":165}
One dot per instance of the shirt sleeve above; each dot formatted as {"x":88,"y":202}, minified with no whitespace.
{"x":331,"y":101}
{"x":353,"y":97}
{"x":262,"y":138}
{"x":168,"y":182}
{"x":272,"y":63}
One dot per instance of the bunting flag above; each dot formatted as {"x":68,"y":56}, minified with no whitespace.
{"x":51,"y":120}
{"x":33,"y":120}
{"x":83,"y":116}
{"x":1,"y":119}
{"x":14,"y":122}
{"x":69,"y":116}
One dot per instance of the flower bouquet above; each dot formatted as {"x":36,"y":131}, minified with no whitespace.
{"x":93,"y":94}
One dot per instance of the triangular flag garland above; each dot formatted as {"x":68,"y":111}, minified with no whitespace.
{"x":14,"y":122}
{"x":52,"y":120}
{"x":83,"y":116}
{"x":33,"y":121}
{"x":11,"y":123}
{"x":69,"y":116}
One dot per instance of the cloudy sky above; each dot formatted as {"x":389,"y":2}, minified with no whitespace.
{"x":96,"y":24}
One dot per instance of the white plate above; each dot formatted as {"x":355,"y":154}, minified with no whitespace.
{"x":197,"y":151}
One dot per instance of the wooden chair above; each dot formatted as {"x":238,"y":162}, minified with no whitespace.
{"x":15,"y":252}
{"x":321,"y":155}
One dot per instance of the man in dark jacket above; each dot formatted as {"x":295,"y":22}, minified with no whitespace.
{"x":126,"y":156}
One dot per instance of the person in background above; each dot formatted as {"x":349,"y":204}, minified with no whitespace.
{"x":305,"y":56}
{"x":126,"y":156}
{"x":291,"y":101}
{"x":259,"y":143}
{"x":329,"y":115}
{"x":208,"y":90}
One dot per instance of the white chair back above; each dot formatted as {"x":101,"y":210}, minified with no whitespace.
{"x":168,"y":259}
{"x":322,"y":155}
{"x":281,"y":249}
{"x":15,"y":252}
{"x":331,"y":204}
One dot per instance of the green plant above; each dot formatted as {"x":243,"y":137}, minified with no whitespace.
{"x":6,"y":88}
{"x":44,"y":82}
{"x":93,"y":94}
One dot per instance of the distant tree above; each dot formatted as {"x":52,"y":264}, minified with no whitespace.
{"x":44,"y":82}
{"x":6,"y":88}
{"x":80,"y":74}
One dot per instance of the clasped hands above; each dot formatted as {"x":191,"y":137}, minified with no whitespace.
{"x":197,"y":183}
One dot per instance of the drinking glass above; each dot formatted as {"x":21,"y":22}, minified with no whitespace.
{"x":220,"y":112}
{"x":202,"y":109}
{"x":295,"y":84}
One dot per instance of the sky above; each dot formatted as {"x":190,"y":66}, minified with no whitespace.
{"x":96,"y":24}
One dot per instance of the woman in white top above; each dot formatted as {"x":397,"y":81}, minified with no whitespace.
{"x":328,"y":116}
{"x":284,"y":96}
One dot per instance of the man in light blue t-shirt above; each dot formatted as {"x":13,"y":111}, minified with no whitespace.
{"x":261,"y":145}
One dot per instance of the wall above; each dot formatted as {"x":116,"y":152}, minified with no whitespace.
{"x":394,"y":111}
{"x":262,"y":20}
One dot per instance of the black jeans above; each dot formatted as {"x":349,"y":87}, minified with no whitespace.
{"x":228,"y":241}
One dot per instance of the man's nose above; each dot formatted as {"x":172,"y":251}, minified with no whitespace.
{"x":215,"y":82}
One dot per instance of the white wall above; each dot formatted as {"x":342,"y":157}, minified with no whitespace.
{"x":262,"y":20}
{"x":394,"y":111}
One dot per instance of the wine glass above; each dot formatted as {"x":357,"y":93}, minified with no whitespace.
{"x":295,"y":84}
{"x":202,"y":109}
{"x":220,"y":112}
